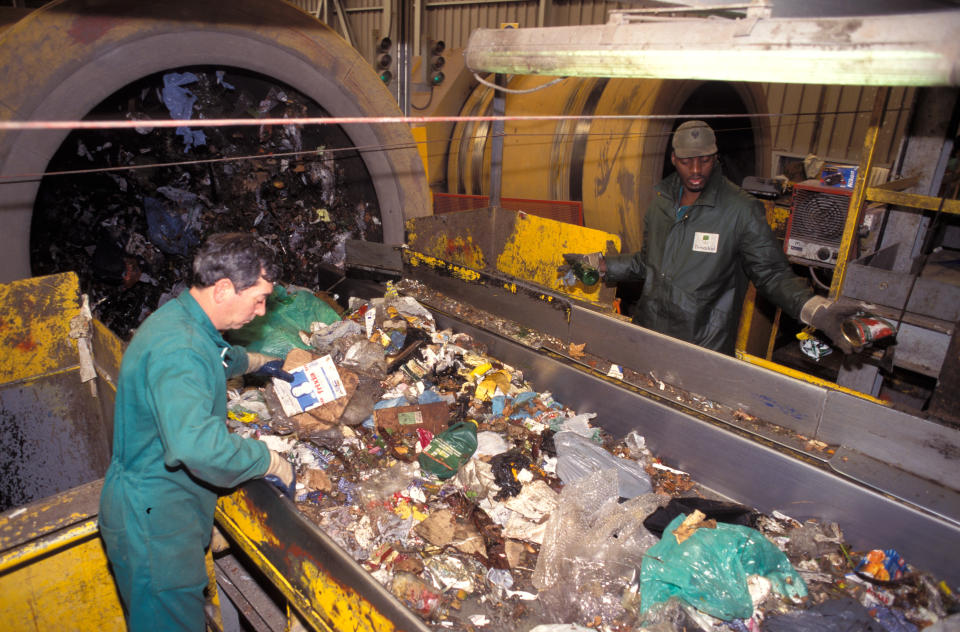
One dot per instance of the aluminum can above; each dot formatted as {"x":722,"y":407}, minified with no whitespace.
{"x":866,"y":329}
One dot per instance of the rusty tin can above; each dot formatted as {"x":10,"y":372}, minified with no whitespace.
{"x":866,"y":329}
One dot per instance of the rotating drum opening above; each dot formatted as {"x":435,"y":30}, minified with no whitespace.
{"x":129,"y":232}
{"x":66,"y":58}
{"x":609,"y":164}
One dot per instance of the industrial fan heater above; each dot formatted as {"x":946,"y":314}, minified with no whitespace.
{"x":815,"y":228}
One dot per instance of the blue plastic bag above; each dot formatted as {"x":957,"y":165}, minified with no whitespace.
{"x":709,"y":570}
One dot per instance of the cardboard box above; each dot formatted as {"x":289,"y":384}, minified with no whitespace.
{"x":314,"y":384}
{"x":842,"y":176}
{"x":404,"y":420}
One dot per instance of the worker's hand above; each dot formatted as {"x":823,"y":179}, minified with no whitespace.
{"x":263,"y":365}
{"x":588,"y":268}
{"x":282,"y":475}
{"x":593,"y":259}
{"x":218,"y":542}
{"x":828,"y":316}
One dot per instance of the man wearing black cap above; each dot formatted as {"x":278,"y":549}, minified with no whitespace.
{"x":704,"y":239}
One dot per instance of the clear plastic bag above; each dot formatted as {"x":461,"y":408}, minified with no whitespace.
{"x":325,"y":335}
{"x":383,"y":485}
{"x":249,"y":402}
{"x":709,"y":569}
{"x":578,"y":457}
{"x":592,"y":545}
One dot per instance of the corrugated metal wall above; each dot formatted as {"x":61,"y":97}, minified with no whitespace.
{"x":829,"y":121}
{"x":453,"y":20}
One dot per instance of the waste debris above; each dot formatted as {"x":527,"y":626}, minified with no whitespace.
{"x":128,"y":225}
{"x":483,"y":503}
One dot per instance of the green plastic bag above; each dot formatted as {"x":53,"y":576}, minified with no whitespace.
{"x":709,"y":570}
{"x":277,"y":332}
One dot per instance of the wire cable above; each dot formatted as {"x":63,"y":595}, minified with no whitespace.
{"x":514,"y":91}
{"x":354,"y":120}
{"x":816,"y":280}
{"x":126,"y":124}
{"x":429,"y":101}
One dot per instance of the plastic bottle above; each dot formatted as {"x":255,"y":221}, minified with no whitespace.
{"x":450,"y":449}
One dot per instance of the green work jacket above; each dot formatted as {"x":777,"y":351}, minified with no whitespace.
{"x":172,"y":452}
{"x":695,"y":269}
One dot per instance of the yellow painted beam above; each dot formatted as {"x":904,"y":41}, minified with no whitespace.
{"x":321,"y":600}
{"x":806,"y":377}
{"x":510,"y":244}
{"x":913,"y":200}
{"x":859,"y":195}
{"x":535,"y":249}
{"x":47,"y":545}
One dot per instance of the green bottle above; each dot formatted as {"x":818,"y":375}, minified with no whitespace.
{"x":450,"y":449}
{"x":587,"y":275}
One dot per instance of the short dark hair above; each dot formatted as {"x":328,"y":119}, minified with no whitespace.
{"x":235,"y":256}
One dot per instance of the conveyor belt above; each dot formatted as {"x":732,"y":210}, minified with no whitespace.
{"x":329,"y":588}
{"x":914,"y":459}
{"x":738,"y":466}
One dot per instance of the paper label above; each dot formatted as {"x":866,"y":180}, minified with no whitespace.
{"x":369,"y":318}
{"x":314,"y":384}
{"x":411,"y":418}
{"x":706,"y":242}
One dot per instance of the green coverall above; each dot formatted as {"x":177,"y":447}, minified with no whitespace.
{"x":172,"y":454}
{"x":695,"y":267}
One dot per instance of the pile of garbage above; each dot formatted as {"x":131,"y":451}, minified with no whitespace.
{"x":485,"y":504}
{"x":125,"y":208}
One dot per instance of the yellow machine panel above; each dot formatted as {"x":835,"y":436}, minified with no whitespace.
{"x":509,"y":245}
{"x":35,"y":325}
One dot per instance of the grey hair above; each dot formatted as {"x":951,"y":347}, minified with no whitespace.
{"x":235,"y":256}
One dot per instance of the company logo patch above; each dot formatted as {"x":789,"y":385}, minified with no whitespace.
{"x":706,"y":242}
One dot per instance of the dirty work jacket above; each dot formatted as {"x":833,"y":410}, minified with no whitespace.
{"x":695,"y":270}
{"x":171,"y":454}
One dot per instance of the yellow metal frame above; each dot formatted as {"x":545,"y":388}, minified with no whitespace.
{"x":806,"y":377}
{"x":53,"y":569}
{"x":323,"y":603}
{"x":523,"y":247}
{"x":35,"y":319}
{"x":913,"y":200}
{"x":861,"y":193}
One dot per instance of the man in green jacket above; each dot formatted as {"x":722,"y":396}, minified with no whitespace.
{"x":172,"y":452}
{"x":704,"y":239}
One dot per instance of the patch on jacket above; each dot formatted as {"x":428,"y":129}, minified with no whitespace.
{"x":706,"y":242}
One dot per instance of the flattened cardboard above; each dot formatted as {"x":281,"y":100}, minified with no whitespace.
{"x":404,"y":420}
